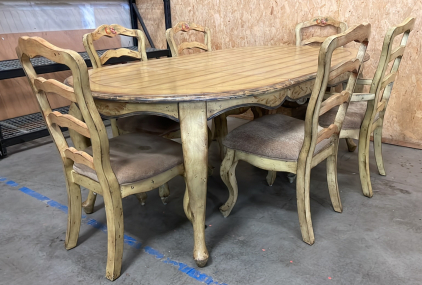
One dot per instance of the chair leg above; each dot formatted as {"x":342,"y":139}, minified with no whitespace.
{"x":114,"y":128}
{"x":142,"y":197}
{"x":363,"y":154}
{"x":271,"y":177}
{"x":332,"y":183}
{"x":291,"y":177}
{"x":89,"y":203}
{"x":221,"y":132}
{"x":164,"y":192}
{"x":303,"y":205}
{"x":378,"y":150}
{"x":351,"y":146}
{"x":227,"y":172}
{"x":74,"y":215}
{"x":115,"y":233}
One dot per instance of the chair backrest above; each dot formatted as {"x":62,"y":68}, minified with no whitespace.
{"x":112,"y":31}
{"x":186,"y":27}
{"x":92,"y":125}
{"x":383,"y":80}
{"x":325,"y":73}
{"x":317,"y":21}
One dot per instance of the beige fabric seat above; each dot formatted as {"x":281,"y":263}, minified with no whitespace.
{"x":136,"y":157}
{"x":150,"y":124}
{"x":274,"y":136}
{"x":352,"y":121}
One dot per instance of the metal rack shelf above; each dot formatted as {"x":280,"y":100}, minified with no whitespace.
{"x":29,"y":127}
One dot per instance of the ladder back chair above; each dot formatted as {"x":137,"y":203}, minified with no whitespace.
{"x":151,"y":124}
{"x":186,"y":27}
{"x":115,"y":168}
{"x":282,"y":143}
{"x":366,"y":112}
{"x":317,"y":21}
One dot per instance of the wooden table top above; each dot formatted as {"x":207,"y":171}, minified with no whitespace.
{"x":216,"y":75}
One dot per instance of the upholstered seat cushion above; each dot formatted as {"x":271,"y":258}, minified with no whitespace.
{"x":150,"y":124}
{"x":352,"y":121}
{"x":137,"y":156}
{"x":274,"y":136}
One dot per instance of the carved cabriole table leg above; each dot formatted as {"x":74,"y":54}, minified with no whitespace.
{"x":193,"y":125}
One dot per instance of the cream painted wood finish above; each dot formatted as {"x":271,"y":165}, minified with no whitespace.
{"x":307,"y":158}
{"x":111,"y":31}
{"x":84,"y":120}
{"x":381,"y":86}
{"x":197,"y":87}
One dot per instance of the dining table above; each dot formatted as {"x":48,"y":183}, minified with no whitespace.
{"x":194,"y":88}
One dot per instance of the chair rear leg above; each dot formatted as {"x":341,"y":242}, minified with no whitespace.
{"x":378,"y":150}
{"x":89,"y":203}
{"x":221,"y":132}
{"x":74,"y":214}
{"x":164,"y":192}
{"x":351,"y":146}
{"x":227,"y":173}
{"x":142,"y":197}
{"x":303,"y":205}
{"x":333,"y":184}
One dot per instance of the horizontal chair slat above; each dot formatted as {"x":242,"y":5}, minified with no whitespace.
{"x":397,"y":52}
{"x":335,"y":100}
{"x":119,"y":53}
{"x":327,"y":132}
{"x":348,"y":66}
{"x":70,"y":122}
{"x":54,"y":86}
{"x":357,"y":97}
{"x":79,"y":157}
{"x":390,"y":78}
{"x":189,"y":45}
{"x":313,"y":40}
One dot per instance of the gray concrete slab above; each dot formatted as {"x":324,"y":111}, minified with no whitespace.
{"x":374,"y":241}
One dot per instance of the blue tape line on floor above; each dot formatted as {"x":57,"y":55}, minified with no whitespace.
{"x":130,"y":241}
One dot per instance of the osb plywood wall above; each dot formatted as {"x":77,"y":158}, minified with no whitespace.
{"x":240,"y":23}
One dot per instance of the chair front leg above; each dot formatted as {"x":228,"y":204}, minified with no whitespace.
{"x":303,"y":204}
{"x":115,"y":232}
{"x":271,"y":177}
{"x":164,"y":192}
{"x":89,"y":203}
{"x":363,"y":155}
{"x":378,"y":150}
{"x":228,"y":175}
{"x":351,"y":146}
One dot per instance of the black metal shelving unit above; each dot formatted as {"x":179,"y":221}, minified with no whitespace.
{"x":29,"y":127}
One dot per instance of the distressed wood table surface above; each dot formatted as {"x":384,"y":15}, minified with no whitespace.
{"x":195,"y":88}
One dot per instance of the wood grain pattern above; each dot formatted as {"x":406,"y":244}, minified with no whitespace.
{"x":218,"y":75}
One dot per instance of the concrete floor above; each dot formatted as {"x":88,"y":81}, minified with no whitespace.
{"x":374,"y":241}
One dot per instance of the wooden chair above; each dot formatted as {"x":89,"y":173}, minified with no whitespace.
{"x":124,"y":165}
{"x":186,"y":27}
{"x":282,"y":143}
{"x":365,"y":115}
{"x":150,"y":124}
{"x":317,"y":21}
{"x":321,"y":21}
